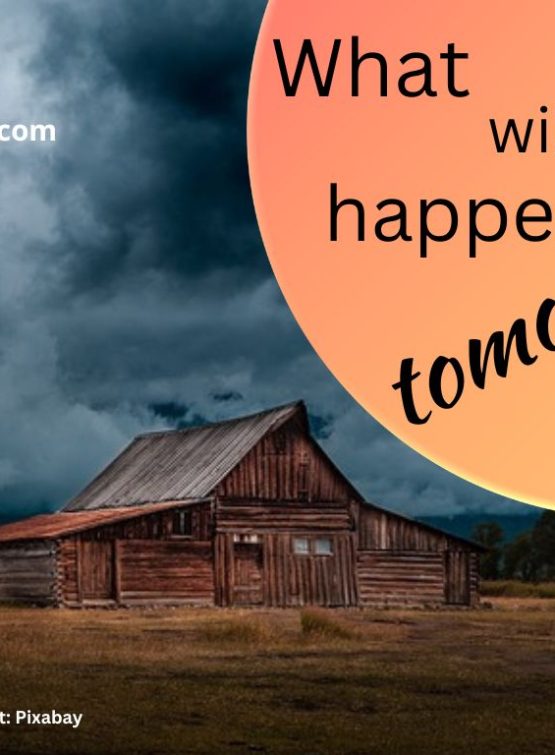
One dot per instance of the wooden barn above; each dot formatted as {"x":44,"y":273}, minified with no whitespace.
{"x":247,"y":512}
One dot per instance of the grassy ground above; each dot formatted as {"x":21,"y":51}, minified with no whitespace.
{"x":206,"y":681}
{"x":512,"y":588}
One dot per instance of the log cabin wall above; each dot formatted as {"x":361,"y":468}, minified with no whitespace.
{"x":394,"y":578}
{"x":67,"y":582}
{"x":175,"y":572}
{"x":400,"y":562}
{"x":139,"y":561}
{"x":28,"y":573}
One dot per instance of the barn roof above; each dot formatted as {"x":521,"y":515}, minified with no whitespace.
{"x":49,"y":526}
{"x":179,"y":464}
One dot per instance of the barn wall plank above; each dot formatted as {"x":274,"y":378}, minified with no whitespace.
{"x":151,"y":570}
{"x":384,"y":530}
{"x":67,"y":569}
{"x":400,"y":578}
{"x":28,"y":573}
{"x":289,"y":579}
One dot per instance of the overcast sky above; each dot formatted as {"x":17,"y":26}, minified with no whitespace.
{"x":134,"y":290}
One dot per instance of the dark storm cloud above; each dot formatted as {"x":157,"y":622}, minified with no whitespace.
{"x":159,"y":94}
{"x":134,"y":291}
{"x":191,"y":58}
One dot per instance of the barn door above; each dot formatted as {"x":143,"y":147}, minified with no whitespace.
{"x":247,"y":583}
{"x":96,"y":566}
{"x":457,"y":578}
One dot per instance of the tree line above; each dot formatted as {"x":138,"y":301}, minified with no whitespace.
{"x":529,"y":557}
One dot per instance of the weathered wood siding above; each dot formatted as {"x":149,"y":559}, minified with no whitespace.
{"x":401,"y":577}
{"x":97,"y":570}
{"x":157,"y":526}
{"x":257,"y":516}
{"x":286,"y":466}
{"x":288,"y":579}
{"x":405,"y":562}
{"x":28,"y":573}
{"x":144,"y":571}
{"x":382,"y":530}
{"x":317,"y":580}
{"x":248,"y":574}
{"x":138,"y":561}
{"x":67,"y":572}
{"x":285,"y":578}
{"x":151,"y":571}
{"x":462,"y":577}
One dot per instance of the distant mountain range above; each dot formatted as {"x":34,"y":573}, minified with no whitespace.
{"x":463,"y":524}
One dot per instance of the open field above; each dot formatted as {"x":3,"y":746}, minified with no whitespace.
{"x":215,"y":681}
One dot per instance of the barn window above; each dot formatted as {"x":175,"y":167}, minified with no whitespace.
{"x":301,"y":546}
{"x":182,"y":523}
{"x":304,"y":546}
{"x":322,"y":547}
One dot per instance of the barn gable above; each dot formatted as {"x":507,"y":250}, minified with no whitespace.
{"x":287,"y":464}
{"x":178,"y":464}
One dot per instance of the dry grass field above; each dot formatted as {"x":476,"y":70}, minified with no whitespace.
{"x":213,"y":681}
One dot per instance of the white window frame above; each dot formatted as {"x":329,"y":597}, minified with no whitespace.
{"x":297,"y":550}
{"x":312,"y":547}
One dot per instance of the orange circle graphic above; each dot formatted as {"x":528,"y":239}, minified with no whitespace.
{"x":402,"y":166}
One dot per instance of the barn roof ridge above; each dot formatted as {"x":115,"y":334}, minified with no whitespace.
{"x":298,"y":404}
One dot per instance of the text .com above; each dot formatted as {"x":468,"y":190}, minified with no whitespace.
{"x":20,"y":132}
